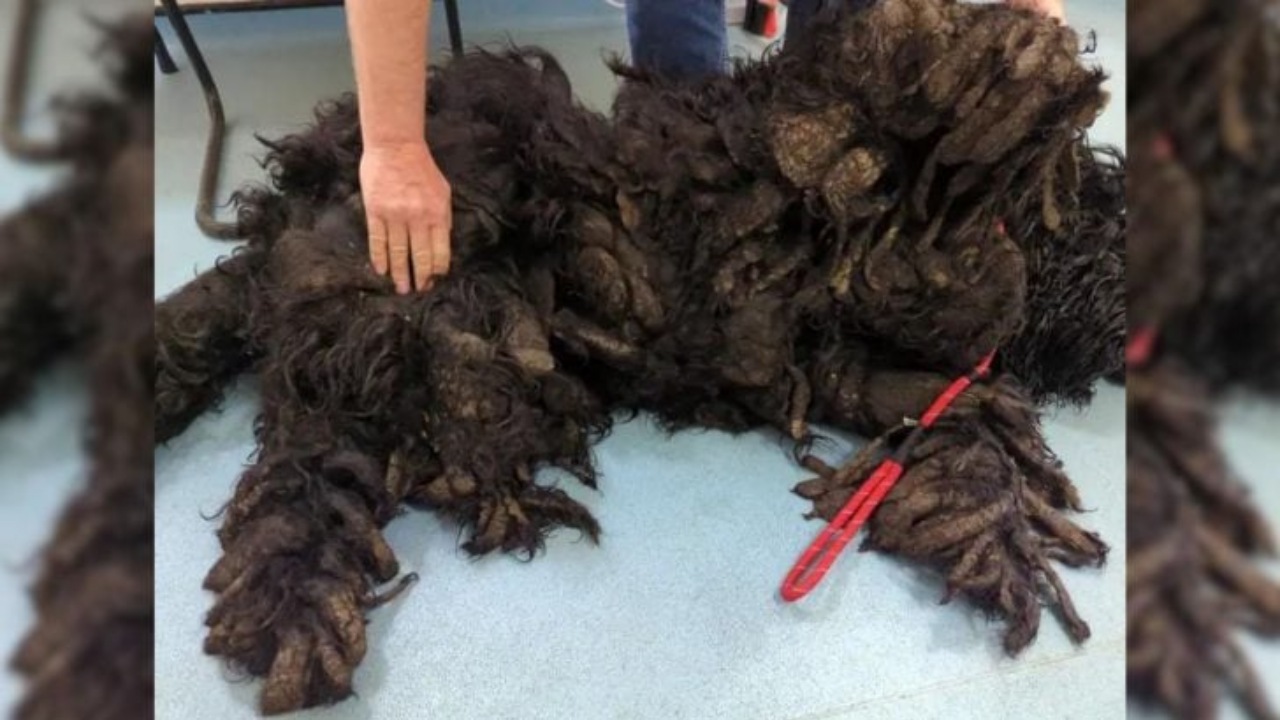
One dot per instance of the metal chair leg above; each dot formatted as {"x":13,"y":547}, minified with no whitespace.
{"x":163,"y":58}
{"x":205,"y":218}
{"x":15,"y":94}
{"x":455,"y":26}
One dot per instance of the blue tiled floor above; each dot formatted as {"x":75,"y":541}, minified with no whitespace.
{"x":675,"y":614}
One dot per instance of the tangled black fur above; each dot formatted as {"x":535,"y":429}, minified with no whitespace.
{"x":826,"y":236}
{"x":75,"y":278}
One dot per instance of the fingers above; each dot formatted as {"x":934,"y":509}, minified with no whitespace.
{"x":414,"y":253}
{"x":423,"y":251}
{"x":441,"y":250}
{"x":398,"y":245}
{"x":407,"y":201}
{"x":431,"y":253}
{"x":378,"y":245}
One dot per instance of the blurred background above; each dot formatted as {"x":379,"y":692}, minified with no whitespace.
{"x":1204,"y":391}
{"x":1251,"y":438}
{"x":41,"y":440}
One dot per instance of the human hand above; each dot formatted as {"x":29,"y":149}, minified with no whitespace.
{"x":1052,"y":8}
{"x":408,"y":212}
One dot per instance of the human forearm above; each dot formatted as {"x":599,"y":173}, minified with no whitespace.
{"x":407,"y":199}
{"x":389,"y":46}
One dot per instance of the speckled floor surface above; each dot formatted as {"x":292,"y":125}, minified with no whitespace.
{"x":676,"y":613}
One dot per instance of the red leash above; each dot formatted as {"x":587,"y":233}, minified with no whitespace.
{"x":1142,"y":343}
{"x":806,"y":573}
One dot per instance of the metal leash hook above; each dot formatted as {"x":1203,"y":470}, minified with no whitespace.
{"x":17,"y":143}
{"x":205,"y":217}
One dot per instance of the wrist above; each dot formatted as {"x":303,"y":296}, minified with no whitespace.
{"x":398,"y":152}
{"x":396,"y":145}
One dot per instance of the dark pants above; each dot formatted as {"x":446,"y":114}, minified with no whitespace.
{"x":687,"y":38}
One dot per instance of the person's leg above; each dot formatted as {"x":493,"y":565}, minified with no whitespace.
{"x":683,"y":39}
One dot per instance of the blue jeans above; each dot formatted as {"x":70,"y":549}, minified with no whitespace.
{"x":686,"y":39}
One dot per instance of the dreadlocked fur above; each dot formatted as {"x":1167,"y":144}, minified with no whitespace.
{"x":75,"y":278}
{"x":1205,"y":136}
{"x":813,"y":238}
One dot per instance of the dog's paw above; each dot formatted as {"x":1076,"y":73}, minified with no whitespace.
{"x":294,"y":585}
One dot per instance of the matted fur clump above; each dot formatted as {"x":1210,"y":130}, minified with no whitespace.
{"x":1205,"y":137}
{"x":75,"y":278}
{"x":827,"y":236}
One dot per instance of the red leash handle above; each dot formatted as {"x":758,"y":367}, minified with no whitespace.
{"x":806,"y":574}
{"x":822,"y":553}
